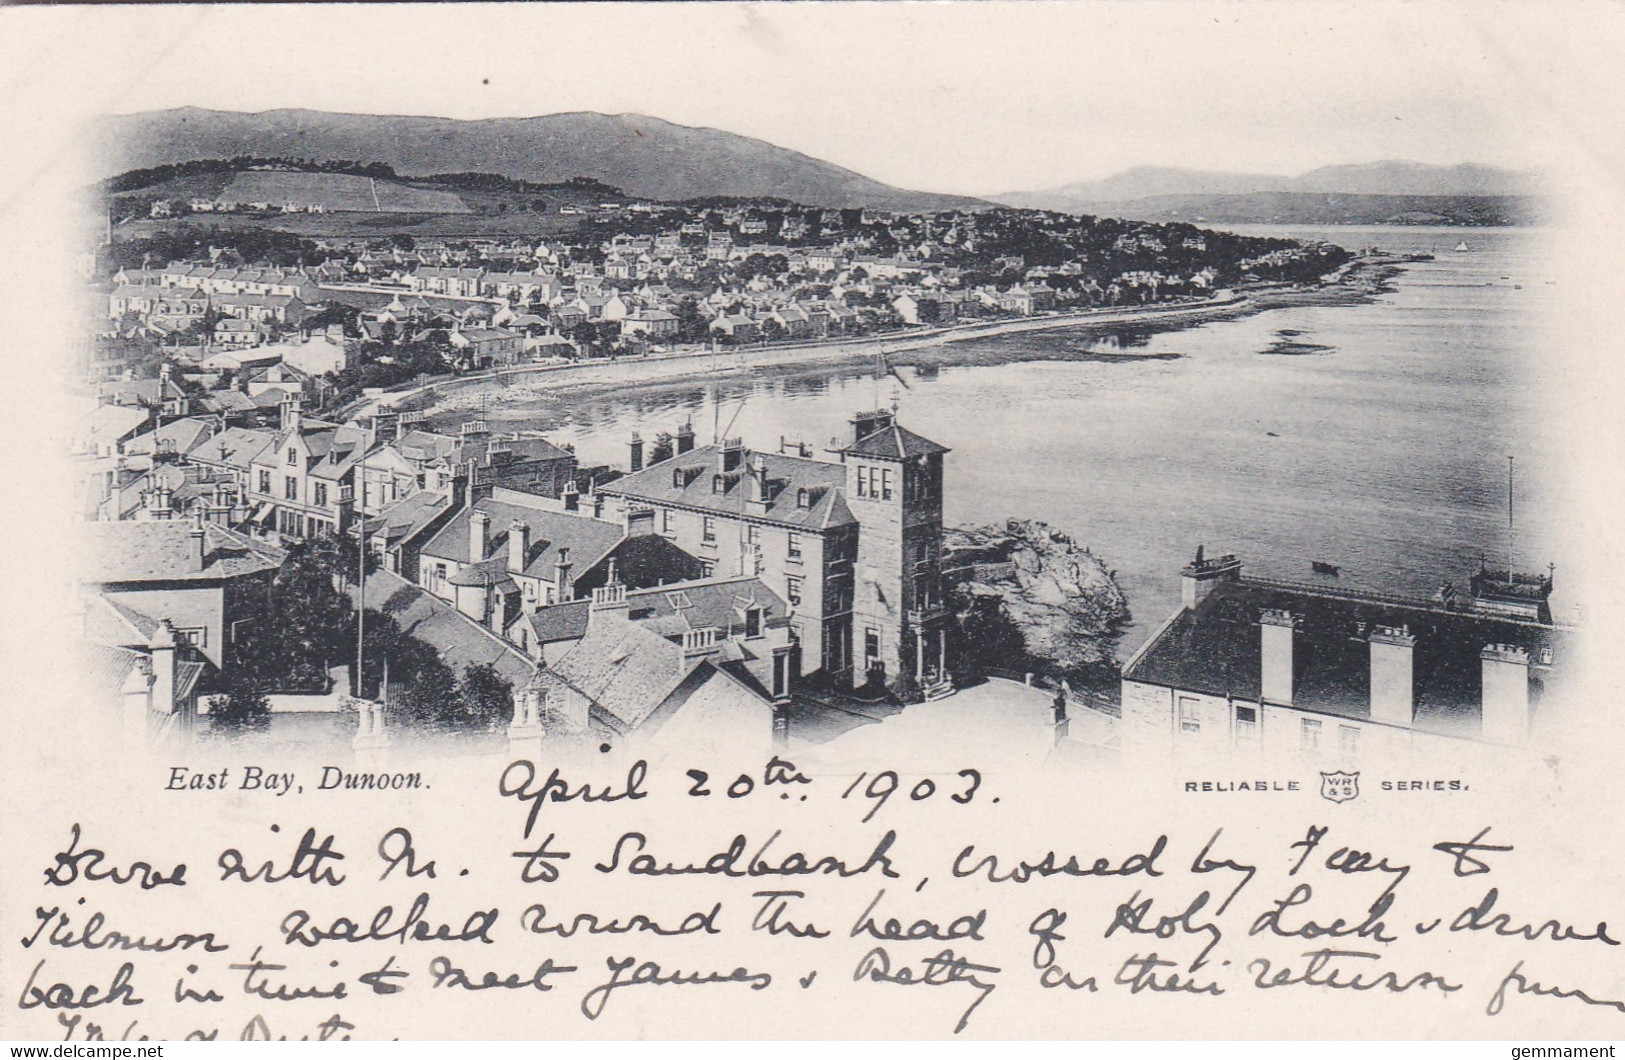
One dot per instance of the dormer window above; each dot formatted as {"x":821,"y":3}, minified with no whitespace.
{"x":677,"y":478}
{"x":719,"y":484}
{"x":803,"y":498}
{"x":753,"y":622}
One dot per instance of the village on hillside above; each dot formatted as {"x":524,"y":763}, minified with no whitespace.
{"x":279,"y":554}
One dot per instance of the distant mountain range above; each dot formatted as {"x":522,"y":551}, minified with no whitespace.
{"x":645,"y":157}
{"x":1460,"y":194}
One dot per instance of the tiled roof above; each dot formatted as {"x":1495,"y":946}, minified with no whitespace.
{"x":1216,"y":650}
{"x":588,"y":540}
{"x":717,"y":603}
{"x":185,"y":434}
{"x":623,"y":669}
{"x":786,"y":475}
{"x":161,"y":551}
{"x":111,"y":623}
{"x":408,"y":516}
{"x":894,"y":443}
{"x":460,"y":641}
{"x":549,"y":625}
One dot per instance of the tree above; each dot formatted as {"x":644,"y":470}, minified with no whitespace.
{"x":243,"y":709}
{"x":487,"y":698}
{"x":691,"y":323}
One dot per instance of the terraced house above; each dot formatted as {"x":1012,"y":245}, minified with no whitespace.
{"x":302,"y":484}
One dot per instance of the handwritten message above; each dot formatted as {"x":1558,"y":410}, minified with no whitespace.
{"x":527,"y":898}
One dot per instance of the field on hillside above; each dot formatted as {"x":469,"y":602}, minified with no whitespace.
{"x":339,"y":192}
{"x":366,"y":225}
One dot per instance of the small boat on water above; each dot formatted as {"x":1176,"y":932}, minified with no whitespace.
{"x":1322,"y":567}
{"x":1462,"y":246}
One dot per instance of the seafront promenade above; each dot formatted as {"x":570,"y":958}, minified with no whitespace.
{"x":1355,"y":282}
{"x":703,"y":361}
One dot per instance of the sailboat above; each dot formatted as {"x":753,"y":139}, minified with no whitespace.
{"x":1462,"y":246}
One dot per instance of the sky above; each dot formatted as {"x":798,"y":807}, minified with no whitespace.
{"x":970,"y":98}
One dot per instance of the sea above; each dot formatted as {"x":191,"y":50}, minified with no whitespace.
{"x":1373,"y":437}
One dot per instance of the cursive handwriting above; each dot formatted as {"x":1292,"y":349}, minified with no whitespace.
{"x":74,"y":864}
{"x":648,"y":973}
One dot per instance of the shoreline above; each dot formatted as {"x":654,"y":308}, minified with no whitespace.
{"x":1360,"y":282}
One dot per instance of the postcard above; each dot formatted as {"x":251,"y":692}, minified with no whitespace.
{"x":808,"y":521}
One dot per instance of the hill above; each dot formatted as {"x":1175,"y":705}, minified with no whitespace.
{"x":1291,"y":207}
{"x":1332,"y":194}
{"x":644,"y":156}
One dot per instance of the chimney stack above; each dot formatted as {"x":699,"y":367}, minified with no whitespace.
{"x":518,"y":546}
{"x":561,"y":577}
{"x":697,"y":644}
{"x":758,"y":494}
{"x":640,"y":522}
{"x":609,"y":600}
{"x":637,"y":452}
{"x":1276,"y":629}
{"x":732,"y":454}
{"x":479,"y":536}
{"x":1393,"y":695}
{"x":1505,"y":672}
{"x":195,"y":547}
{"x":1201,"y":576}
{"x":572,"y":497}
{"x":162,"y":651}
{"x":685,"y":437}
{"x":289,"y":408}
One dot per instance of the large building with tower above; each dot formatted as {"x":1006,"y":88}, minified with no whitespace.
{"x":852,"y":541}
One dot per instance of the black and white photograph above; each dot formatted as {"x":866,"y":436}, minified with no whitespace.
{"x":682,"y":520}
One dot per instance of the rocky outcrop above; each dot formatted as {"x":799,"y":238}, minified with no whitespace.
{"x":1028,"y":598}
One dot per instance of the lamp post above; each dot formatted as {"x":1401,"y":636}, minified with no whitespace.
{"x":361,"y":573}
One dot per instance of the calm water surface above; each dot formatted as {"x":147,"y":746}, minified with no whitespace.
{"x":1383,"y":449}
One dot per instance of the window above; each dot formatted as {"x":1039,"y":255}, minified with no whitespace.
{"x":795,"y":545}
{"x":290,"y":488}
{"x":293,"y":456}
{"x":1348,"y":740}
{"x":885,"y":483}
{"x":1190,"y":718}
{"x":753,"y":622}
{"x":792,"y":590}
{"x":1309,"y":734}
{"x":803,"y":499}
{"x":665,"y":521}
{"x":780,"y":675}
{"x":265,"y":482}
{"x":197,"y":637}
{"x":708,"y":570}
{"x":708,"y":528}
{"x":1246,"y":721}
{"x":871,"y":645}
{"x":321,"y":494}
{"x":863,"y":481}
{"x":753,"y":534}
{"x":719,"y":484}
{"x":439,"y":575}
